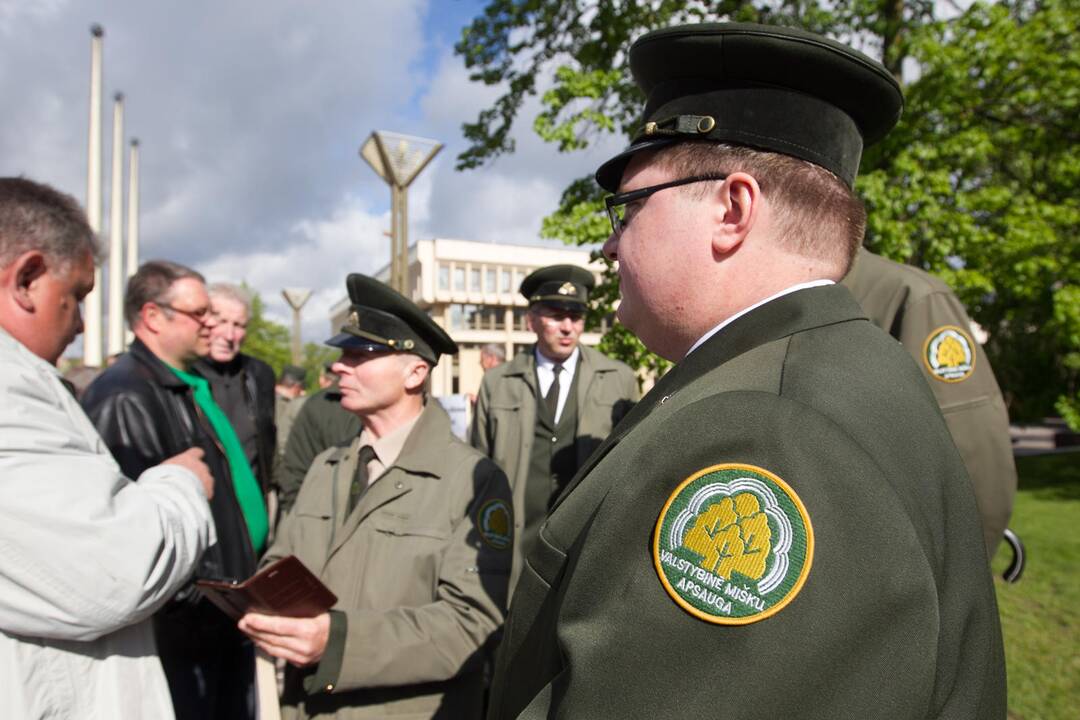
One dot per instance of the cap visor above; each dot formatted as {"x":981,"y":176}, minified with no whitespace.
{"x":348,"y":341}
{"x":609,"y":175}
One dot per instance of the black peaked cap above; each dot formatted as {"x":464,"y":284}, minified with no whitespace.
{"x":382,"y":318}
{"x":565,"y":286}
{"x":772,"y":88}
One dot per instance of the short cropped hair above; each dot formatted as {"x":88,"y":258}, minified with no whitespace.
{"x":153,"y":282}
{"x":238,"y":293}
{"x":35,"y":216}
{"x":816,"y":215}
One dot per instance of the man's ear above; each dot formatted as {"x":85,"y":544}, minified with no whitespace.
{"x":416,"y":372}
{"x":150,"y":317}
{"x":29,"y":268}
{"x":737,"y":212}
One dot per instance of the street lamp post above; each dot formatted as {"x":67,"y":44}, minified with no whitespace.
{"x":296,"y":297}
{"x":398,"y":159}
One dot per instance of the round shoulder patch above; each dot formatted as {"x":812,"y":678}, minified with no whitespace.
{"x":949,"y":354}
{"x":493,"y":522}
{"x":733,"y":544}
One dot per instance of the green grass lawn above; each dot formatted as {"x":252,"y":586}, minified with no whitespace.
{"x":1040,"y":614}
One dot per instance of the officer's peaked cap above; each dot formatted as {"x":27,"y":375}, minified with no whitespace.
{"x":767,"y":87}
{"x":563,"y":286}
{"x":380,"y":318}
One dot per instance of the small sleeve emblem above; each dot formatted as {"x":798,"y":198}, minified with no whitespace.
{"x":493,"y":522}
{"x":733,"y":544}
{"x":949,"y":354}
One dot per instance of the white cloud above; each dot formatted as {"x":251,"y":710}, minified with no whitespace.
{"x":321,"y":254}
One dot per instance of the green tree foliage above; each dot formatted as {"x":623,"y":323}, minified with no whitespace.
{"x":266,"y":340}
{"x":977,"y":185}
{"x":271,"y":342}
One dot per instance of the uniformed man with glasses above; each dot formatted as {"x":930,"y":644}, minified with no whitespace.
{"x":782,"y":526}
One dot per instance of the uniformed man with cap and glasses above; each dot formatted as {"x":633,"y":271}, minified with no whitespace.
{"x":411,"y":529}
{"x":782,"y":526}
{"x":542,"y":414}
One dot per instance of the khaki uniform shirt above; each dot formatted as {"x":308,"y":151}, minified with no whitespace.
{"x":505,"y":414}
{"x":420,"y":569}
{"x":928,"y":319}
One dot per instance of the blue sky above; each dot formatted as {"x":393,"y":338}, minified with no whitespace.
{"x":250,"y":116}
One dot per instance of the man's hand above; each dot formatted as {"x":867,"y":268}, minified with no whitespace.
{"x":192,"y":459}
{"x":301,"y":641}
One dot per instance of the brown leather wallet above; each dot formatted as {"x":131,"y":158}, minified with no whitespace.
{"x":284,"y":587}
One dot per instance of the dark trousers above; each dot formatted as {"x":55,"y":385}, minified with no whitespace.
{"x":218,"y":684}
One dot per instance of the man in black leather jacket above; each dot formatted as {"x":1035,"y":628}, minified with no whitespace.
{"x":145,"y":412}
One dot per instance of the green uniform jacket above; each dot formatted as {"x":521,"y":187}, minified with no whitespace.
{"x":505,"y":416}
{"x":319,"y":424}
{"x":913,"y":306}
{"x":420,"y":588}
{"x":896,"y":617}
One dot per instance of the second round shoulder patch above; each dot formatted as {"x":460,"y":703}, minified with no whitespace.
{"x":494,"y":524}
{"x":949,"y":354}
{"x":733,"y":544}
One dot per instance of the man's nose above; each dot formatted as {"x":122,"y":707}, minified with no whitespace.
{"x":610,"y":248}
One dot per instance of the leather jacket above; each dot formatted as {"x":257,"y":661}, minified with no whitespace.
{"x":146,"y":414}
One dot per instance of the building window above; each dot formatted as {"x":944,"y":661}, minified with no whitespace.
{"x":459,"y":278}
{"x":465,"y":317}
{"x":519,"y":275}
{"x":505,"y":281}
{"x":474,"y":280}
{"x":519,"y":318}
{"x":489,"y":280}
{"x":444,"y":277}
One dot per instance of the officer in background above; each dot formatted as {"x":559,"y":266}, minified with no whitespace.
{"x":541,"y":415}
{"x":319,"y":424}
{"x":922,"y":313}
{"x":406,"y":524}
{"x":288,"y":399}
{"x":782,"y":527}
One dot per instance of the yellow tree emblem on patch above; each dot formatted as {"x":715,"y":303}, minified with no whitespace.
{"x":731,"y":535}
{"x":950,"y":352}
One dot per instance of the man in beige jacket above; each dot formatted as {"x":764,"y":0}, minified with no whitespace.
{"x":541,"y":415}
{"x":407,"y":525}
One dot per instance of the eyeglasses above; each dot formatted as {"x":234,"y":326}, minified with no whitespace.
{"x":616,"y":204}
{"x":203,"y":317}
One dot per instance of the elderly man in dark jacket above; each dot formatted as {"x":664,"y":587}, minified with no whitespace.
{"x":150,"y":405}
{"x":242,"y":385}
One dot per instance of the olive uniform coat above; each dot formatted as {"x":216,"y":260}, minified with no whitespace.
{"x":895,"y":615}
{"x":419,"y":587}
{"x":916,"y":308}
{"x":505,"y":416}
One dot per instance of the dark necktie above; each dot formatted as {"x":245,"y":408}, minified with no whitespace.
{"x":360,"y":479}
{"x":552,"y":397}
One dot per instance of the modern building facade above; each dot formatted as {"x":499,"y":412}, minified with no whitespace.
{"x":471,"y":289}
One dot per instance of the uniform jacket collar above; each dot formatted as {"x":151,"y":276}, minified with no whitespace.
{"x":592,"y":361}
{"x":787,"y":315}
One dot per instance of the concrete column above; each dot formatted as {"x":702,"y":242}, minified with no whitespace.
{"x":133,"y":210}
{"x":116,"y":232}
{"x":92,"y":302}
{"x":133,"y":219}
